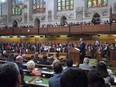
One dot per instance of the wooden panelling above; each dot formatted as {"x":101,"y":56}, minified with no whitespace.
{"x":74,"y":55}
{"x":25,"y":31}
{"x":105,"y":28}
{"x":75,"y":30}
{"x":5,"y":32}
{"x":9,"y":39}
{"x":16,"y":31}
{"x":43,"y":31}
{"x":113,"y":63}
{"x":113,"y":28}
{"x":62,"y":30}
{"x":28,"y":31}
{"x":113,"y":57}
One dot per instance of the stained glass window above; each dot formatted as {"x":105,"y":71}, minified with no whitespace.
{"x":89,"y":3}
{"x":16,"y":10}
{"x":65,"y":5}
{"x":39,"y":6}
{"x":97,"y":3}
{"x":34,"y":6}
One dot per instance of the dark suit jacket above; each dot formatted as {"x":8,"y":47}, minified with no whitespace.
{"x":66,"y":69}
{"x":21,"y":65}
{"x":82,"y":48}
{"x":55,"y":80}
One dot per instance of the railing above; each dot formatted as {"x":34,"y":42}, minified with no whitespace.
{"x":25,"y":31}
{"x":62,"y":30}
{"x":5,"y":32}
{"x":43,"y":31}
{"x":75,"y":29}
{"x":105,"y":28}
{"x":113,"y":28}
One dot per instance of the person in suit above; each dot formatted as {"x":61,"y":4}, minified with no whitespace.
{"x":105,"y":73}
{"x":85,"y":64}
{"x":95,"y":80}
{"x":69,"y":63}
{"x":74,"y":78}
{"x":44,"y":61}
{"x":19,"y":62}
{"x":23,"y":83}
{"x":10,"y":75}
{"x":10,"y":58}
{"x":55,"y":80}
{"x":82,"y":50}
{"x":106,"y":51}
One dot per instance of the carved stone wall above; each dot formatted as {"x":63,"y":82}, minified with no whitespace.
{"x":79,"y":13}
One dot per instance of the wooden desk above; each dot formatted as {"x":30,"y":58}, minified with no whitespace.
{"x":61,"y":55}
{"x":113,"y":57}
{"x":2,"y":61}
{"x":36,"y":81}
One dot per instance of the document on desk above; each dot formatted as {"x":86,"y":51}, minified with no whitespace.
{"x":114,"y":79}
{"x":47,"y":72}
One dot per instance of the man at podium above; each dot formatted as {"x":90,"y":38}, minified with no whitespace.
{"x":82,"y":50}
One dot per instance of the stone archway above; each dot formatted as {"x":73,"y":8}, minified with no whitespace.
{"x":96,"y":19}
{"x":37,"y":23}
{"x":15,"y":24}
{"x":63,"y":21}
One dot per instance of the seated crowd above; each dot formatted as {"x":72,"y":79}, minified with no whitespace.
{"x":57,"y":25}
{"x":39,"y":47}
{"x":82,"y":75}
{"x":11,"y":74}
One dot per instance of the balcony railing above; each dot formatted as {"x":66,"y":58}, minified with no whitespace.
{"x":62,"y":30}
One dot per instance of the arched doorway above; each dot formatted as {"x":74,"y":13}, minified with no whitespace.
{"x":37,"y":23}
{"x":63,"y":21}
{"x":15,"y":24}
{"x":96,"y":19}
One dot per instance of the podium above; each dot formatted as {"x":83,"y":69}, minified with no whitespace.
{"x":74,"y":55}
{"x":113,"y":57}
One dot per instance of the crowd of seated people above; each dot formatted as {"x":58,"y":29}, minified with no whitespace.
{"x":76,"y":77}
{"x":18,"y":27}
{"x":40,"y":47}
{"x":58,"y":25}
{"x":73,"y":24}
{"x":99,"y":76}
{"x":85,"y":65}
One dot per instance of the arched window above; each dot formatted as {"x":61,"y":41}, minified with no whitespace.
{"x":65,"y":5}
{"x":97,"y":3}
{"x":96,"y":19}
{"x":63,"y":21}
{"x":15,"y":24}
{"x":39,"y":6}
{"x":37,"y":23}
{"x":16,"y":7}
